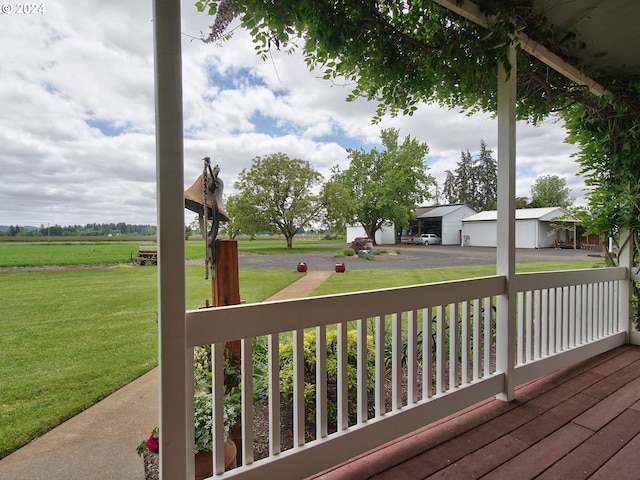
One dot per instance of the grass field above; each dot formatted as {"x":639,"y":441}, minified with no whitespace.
{"x":300,"y":245}
{"x":360,"y":280}
{"x":43,"y":254}
{"x":72,"y":337}
{"x":81,"y":253}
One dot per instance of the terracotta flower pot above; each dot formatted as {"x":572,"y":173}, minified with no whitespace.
{"x":204,"y":460}
{"x":230,"y":455}
{"x":302,"y":267}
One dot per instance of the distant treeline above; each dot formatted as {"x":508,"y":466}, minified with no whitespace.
{"x":89,"y":230}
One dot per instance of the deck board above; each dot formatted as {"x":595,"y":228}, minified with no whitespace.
{"x":579,"y":422}
{"x":588,"y":457}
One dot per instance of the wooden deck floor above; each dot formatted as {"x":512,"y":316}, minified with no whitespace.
{"x":579,"y":422}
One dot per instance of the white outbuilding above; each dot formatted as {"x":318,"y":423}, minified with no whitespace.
{"x":445,"y":221}
{"x":385,"y":236}
{"x":534,"y":228}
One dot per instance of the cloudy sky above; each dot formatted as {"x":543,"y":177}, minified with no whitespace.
{"x":77,"y":125}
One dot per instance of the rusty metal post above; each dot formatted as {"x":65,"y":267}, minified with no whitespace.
{"x":225,"y":290}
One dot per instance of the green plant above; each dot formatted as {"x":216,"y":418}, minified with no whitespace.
{"x":202,"y":368}
{"x":260,"y":367}
{"x":339,"y":235}
{"x":152,"y":443}
{"x":202,"y":402}
{"x":202,"y":422}
{"x":309,"y":346}
{"x":55,"y":365}
{"x":369,"y":256}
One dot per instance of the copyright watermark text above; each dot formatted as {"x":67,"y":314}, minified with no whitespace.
{"x":23,"y":8}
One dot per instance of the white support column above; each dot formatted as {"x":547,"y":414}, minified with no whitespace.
{"x":625,"y":259}
{"x":176,"y":368}
{"x":505,"y":253}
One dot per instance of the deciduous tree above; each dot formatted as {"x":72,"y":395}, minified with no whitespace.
{"x":550,"y":191}
{"x":243,"y":217}
{"x":338,"y":202}
{"x":277,"y":194}
{"x":385,"y":186}
{"x":400,"y":53}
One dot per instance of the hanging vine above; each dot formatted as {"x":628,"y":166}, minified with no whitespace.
{"x":399,"y":53}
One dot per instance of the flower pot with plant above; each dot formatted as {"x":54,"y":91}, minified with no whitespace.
{"x":203,"y":429}
{"x":203,"y":422}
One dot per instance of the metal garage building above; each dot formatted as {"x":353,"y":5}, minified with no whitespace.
{"x":533,"y":228}
{"x":445,"y":221}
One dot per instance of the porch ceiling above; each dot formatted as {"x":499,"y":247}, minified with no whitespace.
{"x":608,"y":29}
{"x":604,"y":53}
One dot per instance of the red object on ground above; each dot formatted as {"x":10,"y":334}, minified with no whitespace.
{"x":302,"y":267}
{"x":340,"y":267}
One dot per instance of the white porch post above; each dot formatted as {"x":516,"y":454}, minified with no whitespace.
{"x":625,"y":259}
{"x":505,"y":252}
{"x":176,"y":444}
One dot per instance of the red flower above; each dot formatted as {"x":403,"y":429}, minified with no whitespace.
{"x":153,"y":444}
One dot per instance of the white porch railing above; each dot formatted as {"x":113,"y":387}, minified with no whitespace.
{"x":566,"y":317}
{"x":433,"y":343}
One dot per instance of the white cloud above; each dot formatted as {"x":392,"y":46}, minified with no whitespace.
{"x":77,"y":131}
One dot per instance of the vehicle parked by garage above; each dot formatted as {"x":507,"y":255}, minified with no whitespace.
{"x":430,"y":239}
{"x":411,"y":238}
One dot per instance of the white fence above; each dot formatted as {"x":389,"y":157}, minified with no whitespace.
{"x":421,"y":353}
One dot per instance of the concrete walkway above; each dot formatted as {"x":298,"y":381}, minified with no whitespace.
{"x":100,"y":443}
{"x":303,"y":287}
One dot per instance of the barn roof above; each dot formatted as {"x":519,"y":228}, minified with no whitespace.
{"x":440,"y":211}
{"x":542,"y":214}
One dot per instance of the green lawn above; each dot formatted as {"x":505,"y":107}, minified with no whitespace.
{"x":271,"y":246}
{"x":42,"y":254}
{"x":80,"y":253}
{"x":360,"y":280}
{"x":70,"y":338}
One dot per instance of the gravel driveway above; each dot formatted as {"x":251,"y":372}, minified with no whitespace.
{"x":410,"y":257}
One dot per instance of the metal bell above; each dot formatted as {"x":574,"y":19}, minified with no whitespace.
{"x":193,"y":198}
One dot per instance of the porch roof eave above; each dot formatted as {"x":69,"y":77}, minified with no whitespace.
{"x":605,"y":31}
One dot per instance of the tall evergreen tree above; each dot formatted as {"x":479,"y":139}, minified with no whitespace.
{"x":466,"y":179}
{"x":450,"y":189}
{"x":473,"y":182}
{"x":486,"y":173}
